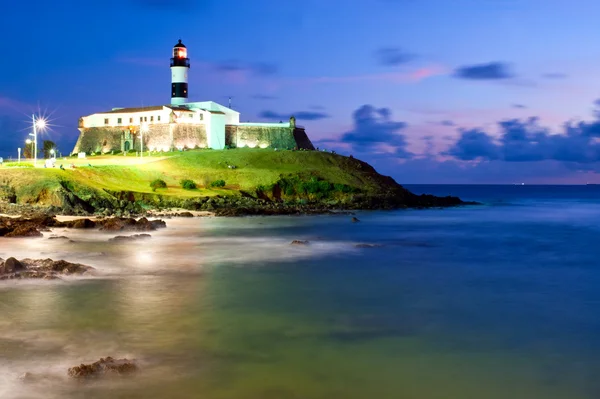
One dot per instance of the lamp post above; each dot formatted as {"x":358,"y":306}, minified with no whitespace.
{"x":19,"y":151}
{"x":143,"y":128}
{"x":37,"y":123}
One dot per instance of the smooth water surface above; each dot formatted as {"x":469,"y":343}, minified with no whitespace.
{"x":494,"y":301}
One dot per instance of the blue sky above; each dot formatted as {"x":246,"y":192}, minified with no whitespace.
{"x":422,"y":89}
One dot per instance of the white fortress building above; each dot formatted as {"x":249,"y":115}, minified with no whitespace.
{"x":182,"y":124}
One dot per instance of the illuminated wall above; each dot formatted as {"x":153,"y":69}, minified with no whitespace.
{"x":264,"y":136}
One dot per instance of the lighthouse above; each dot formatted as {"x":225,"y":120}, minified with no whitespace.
{"x":180,"y":64}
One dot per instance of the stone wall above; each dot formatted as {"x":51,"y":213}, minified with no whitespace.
{"x":158,"y":138}
{"x":164,"y":137}
{"x":267,"y":136}
{"x":189,"y":136}
{"x":99,"y":139}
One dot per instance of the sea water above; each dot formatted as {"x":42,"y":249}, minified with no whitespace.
{"x":500,"y":300}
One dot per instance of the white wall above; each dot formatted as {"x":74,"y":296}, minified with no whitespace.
{"x":215,"y":131}
{"x":231,"y":117}
{"x":97,"y":120}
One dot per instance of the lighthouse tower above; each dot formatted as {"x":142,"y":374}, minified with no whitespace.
{"x":180,"y":64}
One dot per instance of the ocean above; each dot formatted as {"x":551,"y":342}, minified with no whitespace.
{"x":493,"y":301}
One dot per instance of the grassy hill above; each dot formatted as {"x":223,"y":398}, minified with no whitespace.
{"x":284,"y":177}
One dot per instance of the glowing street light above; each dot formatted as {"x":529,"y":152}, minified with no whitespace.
{"x":143,"y":128}
{"x":38,"y":123}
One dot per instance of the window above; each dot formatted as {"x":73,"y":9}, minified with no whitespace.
{"x":158,"y":118}
{"x":141,"y":119}
{"x":191,"y":115}
{"x":145,"y":119}
{"x":106,"y":121}
{"x":130,"y":120}
{"x":119,"y":121}
{"x":152,"y":118}
{"x":201,"y":117}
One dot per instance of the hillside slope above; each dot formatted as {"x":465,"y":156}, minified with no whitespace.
{"x":253,"y":178}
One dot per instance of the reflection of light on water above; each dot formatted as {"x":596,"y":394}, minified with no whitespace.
{"x":153,"y":306}
{"x":38,"y":304}
{"x":143,"y":258}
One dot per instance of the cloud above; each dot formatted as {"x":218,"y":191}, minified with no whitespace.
{"x":300,"y":115}
{"x":447,"y":123}
{"x":413,"y":76}
{"x":526,"y":141}
{"x":392,"y":56}
{"x":489,"y":71}
{"x":519,"y":106}
{"x":373,"y":127}
{"x":256,"y":69}
{"x":555,"y":75}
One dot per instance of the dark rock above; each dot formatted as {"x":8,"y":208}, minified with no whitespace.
{"x":11,"y":265}
{"x":130,"y":224}
{"x":130,"y":238}
{"x":83,"y":224}
{"x":299,"y":242}
{"x":355,"y":220}
{"x":25,"y":230}
{"x":185,"y":215}
{"x":103,"y":367}
{"x":368,"y":245}
{"x":58,"y":238}
{"x":40,"y":268}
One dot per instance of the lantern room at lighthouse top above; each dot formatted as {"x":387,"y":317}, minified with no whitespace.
{"x":180,"y":57}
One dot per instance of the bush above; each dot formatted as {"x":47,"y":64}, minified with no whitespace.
{"x":218,"y":183}
{"x":188,"y":184}
{"x":158,"y":183}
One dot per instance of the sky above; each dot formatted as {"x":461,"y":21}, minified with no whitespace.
{"x":427,"y":91}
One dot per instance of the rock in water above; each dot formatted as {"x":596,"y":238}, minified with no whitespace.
{"x":355,"y":220}
{"x":103,"y":367}
{"x":11,"y":265}
{"x":299,"y":242}
{"x":25,"y":231}
{"x":130,"y":238}
{"x":40,"y":268}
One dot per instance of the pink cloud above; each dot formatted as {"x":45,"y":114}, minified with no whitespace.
{"x":390,"y":77}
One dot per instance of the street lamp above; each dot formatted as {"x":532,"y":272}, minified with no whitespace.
{"x":19,"y":151}
{"x":143,"y":128}
{"x":38,"y":123}
{"x":52,"y":152}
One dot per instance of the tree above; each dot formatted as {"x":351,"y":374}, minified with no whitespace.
{"x":48,"y":147}
{"x":28,"y":150}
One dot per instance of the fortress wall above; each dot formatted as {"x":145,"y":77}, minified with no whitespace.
{"x":189,"y":136}
{"x":99,"y":139}
{"x":266,"y":136}
{"x":157,"y":138}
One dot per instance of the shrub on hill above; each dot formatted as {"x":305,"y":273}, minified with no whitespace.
{"x":158,"y":183}
{"x":188,"y":184}
{"x":218,"y":183}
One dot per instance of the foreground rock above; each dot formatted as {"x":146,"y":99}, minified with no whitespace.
{"x":46,"y":269}
{"x":103,"y":367}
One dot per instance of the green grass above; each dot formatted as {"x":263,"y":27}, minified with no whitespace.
{"x":254,"y":168}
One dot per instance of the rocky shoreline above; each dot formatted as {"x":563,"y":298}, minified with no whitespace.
{"x":232,"y":206}
{"x":33,"y":226}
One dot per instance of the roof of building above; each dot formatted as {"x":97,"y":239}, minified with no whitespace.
{"x":143,"y":109}
{"x":180,"y":44}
